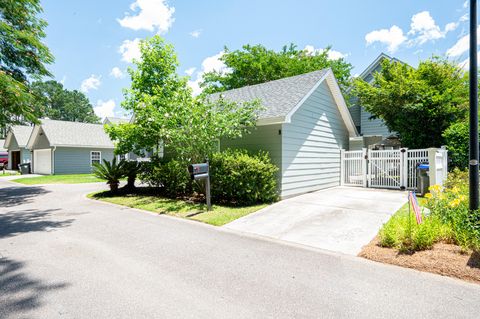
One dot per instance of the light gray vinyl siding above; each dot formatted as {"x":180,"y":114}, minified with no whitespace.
{"x":355,"y":111}
{"x":25,"y":156}
{"x":41,"y":141}
{"x":373,"y":126}
{"x":261,"y":138}
{"x":76,"y":160}
{"x":311,"y":145}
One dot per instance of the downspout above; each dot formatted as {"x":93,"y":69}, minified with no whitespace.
{"x":53,"y":160}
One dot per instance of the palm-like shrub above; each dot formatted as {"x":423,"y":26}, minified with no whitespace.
{"x":131,"y":170}
{"x":112,"y":172}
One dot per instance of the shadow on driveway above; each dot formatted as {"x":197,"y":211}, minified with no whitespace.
{"x":13,"y":196}
{"x":19,"y":292}
{"x":29,"y":220}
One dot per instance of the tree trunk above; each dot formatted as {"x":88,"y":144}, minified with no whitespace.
{"x":114,"y":187}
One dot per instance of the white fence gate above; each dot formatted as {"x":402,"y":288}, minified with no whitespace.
{"x":395,"y":169}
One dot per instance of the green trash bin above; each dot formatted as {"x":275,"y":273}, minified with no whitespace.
{"x":423,"y":179}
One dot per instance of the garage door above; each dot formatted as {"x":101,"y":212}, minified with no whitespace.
{"x":42,"y":161}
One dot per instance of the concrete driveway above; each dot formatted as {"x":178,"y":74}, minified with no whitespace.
{"x":64,"y":256}
{"x":341,"y":219}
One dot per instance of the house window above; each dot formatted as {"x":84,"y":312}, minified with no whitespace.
{"x":95,"y":157}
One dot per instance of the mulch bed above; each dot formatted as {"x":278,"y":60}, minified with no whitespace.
{"x":443,"y":259}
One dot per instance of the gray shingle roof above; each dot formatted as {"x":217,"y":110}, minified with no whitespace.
{"x":75,"y":134}
{"x":116,"y":120}
{"x":22,"y":134}
{"x":278,"y":97}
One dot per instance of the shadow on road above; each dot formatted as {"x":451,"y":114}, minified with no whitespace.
{"x":29,"y":220}
{"x":19,"y":292}
{"x":13,"y":196}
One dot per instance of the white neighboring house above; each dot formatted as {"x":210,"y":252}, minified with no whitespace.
{"x":16,"y":145}
{"x":62,"y":147}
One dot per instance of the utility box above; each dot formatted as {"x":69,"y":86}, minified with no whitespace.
{"x":423,"y":179}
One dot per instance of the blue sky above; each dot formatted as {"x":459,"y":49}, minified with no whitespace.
{"x":93,"y":41}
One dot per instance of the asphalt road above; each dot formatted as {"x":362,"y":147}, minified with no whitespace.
{"x":64,"y":256}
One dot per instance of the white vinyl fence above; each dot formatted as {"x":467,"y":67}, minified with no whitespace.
{"x":395,"y":169}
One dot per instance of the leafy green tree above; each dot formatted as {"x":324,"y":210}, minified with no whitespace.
{"x":23,"y":56}
{"x":257,"y":64}
{"x":167,"y":113}
{"x":419,"y":104}
{"x":457,"y":140}
{"x":55,"y":102}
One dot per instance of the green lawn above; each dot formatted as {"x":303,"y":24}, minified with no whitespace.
{"x":8,"y":173}
{"x":219,"y":215}
{"x":59,"y":179}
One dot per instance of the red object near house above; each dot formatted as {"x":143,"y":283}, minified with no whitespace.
{"x":3,"y":158}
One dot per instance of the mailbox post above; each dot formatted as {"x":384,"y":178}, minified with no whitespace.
{"x":201,"y":172}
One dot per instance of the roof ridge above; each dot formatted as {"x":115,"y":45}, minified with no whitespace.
{"x":72,"y":122}
{"x":271,"y":81}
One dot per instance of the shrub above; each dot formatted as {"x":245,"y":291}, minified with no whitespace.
{"x":112,"y":172}
{"x":403,"y":233}
{"x":175,"y":178}
{"x":450,"y":205}
{"x":449,"y":220}
{"x":170,"y":176}
{"x":243,"y":179}
{"x":131,"y":169}
{"x":456,"y":136}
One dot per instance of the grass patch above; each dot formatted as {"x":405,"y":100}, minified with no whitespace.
{"x":59,"y":179}
{"x":2,"y":173}
{"x":218,"y":216}
{"x":403,"y":233}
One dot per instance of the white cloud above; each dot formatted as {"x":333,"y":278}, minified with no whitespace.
{"x":392,"y":37}
{"x":117,"y":73}
{"x":464,"y":18}
{"x":462,"y":45}
{"x":451,"y":26}
{"x":332,"y":54}
{"x":91,"y":83}
{"x":196,"y":33}
{"x":425,"y":29}
{"x":130,"y":50}
{"x":190,"y":71}
{"x":213,"y":63}
{"x":465,"y":4}
{"x":209,"y":64}
{"x":105,"y":108}
{"x":63,"y":80}
{"x":151,"y":15}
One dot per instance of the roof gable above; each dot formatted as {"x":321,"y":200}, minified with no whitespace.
{"x":115,"y":120}
{"x":21,"y":134}
{"x":72,"y":134}
{"x":374,"y":66}
{"x":282,"y":98}
{"x":278,"y":97}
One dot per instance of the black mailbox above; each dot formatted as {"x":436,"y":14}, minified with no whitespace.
{"x":198,"y":171}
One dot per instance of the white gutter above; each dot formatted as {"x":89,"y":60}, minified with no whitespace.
{"x":53,"y":160}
